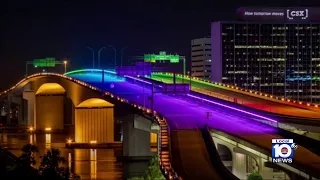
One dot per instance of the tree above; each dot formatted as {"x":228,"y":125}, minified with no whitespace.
{"x":27,"y":156}
{"x":255,"y":176}
{"x":51,"y":167}
{"x":153,"y":172}
{"x":23,"y":165}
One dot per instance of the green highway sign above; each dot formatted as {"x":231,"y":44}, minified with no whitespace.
{"x":46,"y":62}
{"x":162,"y":56}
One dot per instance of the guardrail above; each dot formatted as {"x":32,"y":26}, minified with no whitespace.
{"x":164,"y":152}
{"x":250,"y":92}
{"x":262,"y":107}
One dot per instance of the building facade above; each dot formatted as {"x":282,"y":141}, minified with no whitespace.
{"x":201,"y":58}
{"x":278,"y":56}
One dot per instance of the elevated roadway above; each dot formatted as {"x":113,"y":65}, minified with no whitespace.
{"x":252,"y":100}
{"x":185,"y":113}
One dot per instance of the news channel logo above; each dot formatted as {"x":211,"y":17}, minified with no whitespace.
{"x":282,"y":150}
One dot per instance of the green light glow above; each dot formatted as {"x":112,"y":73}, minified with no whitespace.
{"x":162,"y":56}
{"x":89,"y":70}
{"x":46,"y":62}
{"x":169,"y":79}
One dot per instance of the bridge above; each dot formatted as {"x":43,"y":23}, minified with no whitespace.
{"x":249,"y":98}
{"x":180,"y":117}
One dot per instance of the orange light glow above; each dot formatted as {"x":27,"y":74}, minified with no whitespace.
{"x":95,"y":102}
{"x":50,"y":88}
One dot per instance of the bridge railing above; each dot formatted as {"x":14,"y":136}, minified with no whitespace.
{"x":253,"y":93}
{"x":259,"y":106}
{"x":164,"y":150}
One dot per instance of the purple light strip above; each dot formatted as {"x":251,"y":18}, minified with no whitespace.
{"x":137,"y":79}
{"x":229,"y":107}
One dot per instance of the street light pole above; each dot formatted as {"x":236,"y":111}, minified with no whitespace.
{"x":122,"y":55}
{"x":65,"y":66}
{"x":115,"y":55}
{"x":92,"y":56}
{"x":99,"y":56}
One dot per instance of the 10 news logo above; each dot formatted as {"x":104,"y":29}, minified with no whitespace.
{"x":283,"y":150}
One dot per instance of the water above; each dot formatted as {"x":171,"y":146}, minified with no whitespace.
{"x":88,"y":163}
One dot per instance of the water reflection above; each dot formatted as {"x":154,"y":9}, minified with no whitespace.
{"x":93,"y":163}
{"x":87,"y":163}
{"x":48,"y":141}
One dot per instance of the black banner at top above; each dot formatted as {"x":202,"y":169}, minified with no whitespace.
{"x":300,"y":14}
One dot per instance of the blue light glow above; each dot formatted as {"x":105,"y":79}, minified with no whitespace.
{"x":94,"y":75}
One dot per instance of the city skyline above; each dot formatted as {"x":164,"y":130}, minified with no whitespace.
{"x":64,"y":29}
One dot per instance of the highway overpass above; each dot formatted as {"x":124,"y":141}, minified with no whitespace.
{"x":185,"y":113}
{"x":252,"y":99}
{"x":185,"y":116}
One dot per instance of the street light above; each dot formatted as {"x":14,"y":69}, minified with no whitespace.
{"x":65,"y":66}
{"x":122,"y":54}
{"x":99,"y":56}
{"x":115,"y":55}
{"x":92,"y":56}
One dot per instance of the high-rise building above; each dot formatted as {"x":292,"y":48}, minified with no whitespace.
{"x":276,"y":51}
{"x":201,"y":58}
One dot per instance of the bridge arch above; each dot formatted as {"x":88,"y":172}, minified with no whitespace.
{"x":50,"y":88}
{"x":94,"y":121}
{"x":49,"y":107}
{"x":53,"y":100}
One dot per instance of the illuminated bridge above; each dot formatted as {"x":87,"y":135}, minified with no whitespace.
{"x":183,"y":140}
{"x":249,"y":98}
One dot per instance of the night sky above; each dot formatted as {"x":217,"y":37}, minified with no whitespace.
{"x":63,"y":29}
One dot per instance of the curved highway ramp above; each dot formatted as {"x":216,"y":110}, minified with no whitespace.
{"x":191,"y":159}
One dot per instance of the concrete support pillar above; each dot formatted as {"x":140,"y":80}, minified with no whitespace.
{"x":239,"y":166}
{"x":8,"y":108}
{"x":266,"y":173}
{"x":49,"y":112}
{"x":20,"y":102}
{"x":136,"y":136}
{"x":94,"y":125}
{"x":30,"y":97}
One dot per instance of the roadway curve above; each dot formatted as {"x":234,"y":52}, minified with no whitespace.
{"x":182,"y":113}
{"x":243,"y":99}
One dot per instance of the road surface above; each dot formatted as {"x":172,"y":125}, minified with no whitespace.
{"x":246,"y":100}
{"x":183,"y":113}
